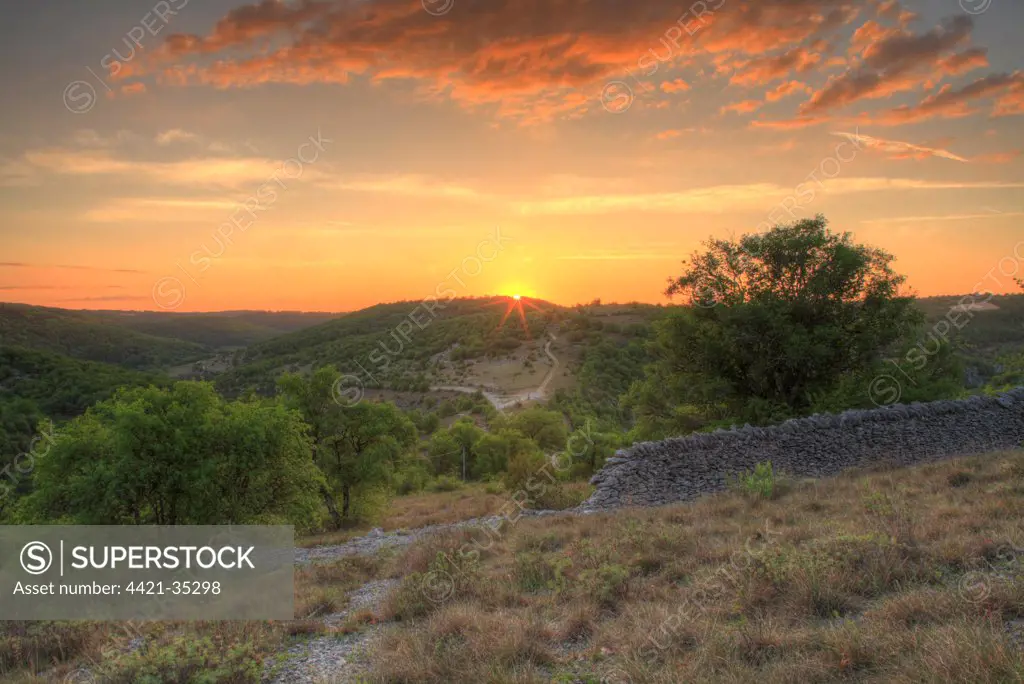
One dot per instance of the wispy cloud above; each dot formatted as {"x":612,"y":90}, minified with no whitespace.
{"x":899,"y":147}
{"x":945,"y":217}
{"x":157,"y":209}
{"x":108,"y":298}
{"x":174,"y":135}
{"x":204,"y":172}
{"x":57,"y":287}
{"x":730,"y":198}
{"x":22,"y":264}
{"x":409,"y":185}
{"x":618,"y":256}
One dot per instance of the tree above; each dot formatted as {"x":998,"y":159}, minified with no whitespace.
{"x":546,"y":428}
{"x":493,"y":452}
{"x":776,"y":320}
{"x":178,"y":456}
{"x":371,"y":440}
{"x":355,"y":446}
{"x":445,"y":453}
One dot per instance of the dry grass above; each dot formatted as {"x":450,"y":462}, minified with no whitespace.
{"x":420,"y":510}
{"x":888,"y":576}
{"x":897,"y":575}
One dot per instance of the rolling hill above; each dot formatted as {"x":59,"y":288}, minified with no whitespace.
{"x":142,"y":340}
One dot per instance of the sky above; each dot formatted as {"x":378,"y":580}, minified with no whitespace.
{"x":331,"y":154}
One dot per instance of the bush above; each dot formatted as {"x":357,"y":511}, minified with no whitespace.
{"x":445,"y":483}
{"x":528,"y":471}
{"x":188,"y":660}
{"x":413,"y":477}
{"x":759,"y":483}
{"x":958,"y":479}
{"x":559,"y":496}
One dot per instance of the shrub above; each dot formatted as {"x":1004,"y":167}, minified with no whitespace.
{"x":445,"y":483}
{"x":526,"y":473}
{"x":559,"y":496}
{"x":759,"y":483}
{"x":606,"y":584}
{"x":188,"y":660}
{"x":958,"y":479}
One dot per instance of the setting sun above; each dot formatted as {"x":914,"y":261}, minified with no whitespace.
{"x":516,"y":297}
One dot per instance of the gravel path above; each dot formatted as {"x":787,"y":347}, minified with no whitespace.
{"x":341,"y":659}
{"x":334,"y":658}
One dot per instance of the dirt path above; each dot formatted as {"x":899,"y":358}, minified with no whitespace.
{"x":333,"y":658}
{"x":504,"y":401}
{"x":343,"y":658}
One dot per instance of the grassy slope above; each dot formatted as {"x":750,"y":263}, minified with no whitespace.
{"x":899,"y":576}
{"x":896,"y":576}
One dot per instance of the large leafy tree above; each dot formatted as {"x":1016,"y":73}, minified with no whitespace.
{"x":777,"y":321}
{"x":546,"y":428}
{"x":178,"y":456}
{"x":354,"y":445}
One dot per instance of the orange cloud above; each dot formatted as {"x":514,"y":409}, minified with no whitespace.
{"x":953,"y":103}
{"x":767,"y":69}
{"x":789,"y":124}
{"x":898,"y":149}
{"x":961,"y":63}
{"x":676,"y":86}
{"x":787,"y":89}
{"x":891,"y":65}
{"x":531,"y":59}
{"x":744,"y":107}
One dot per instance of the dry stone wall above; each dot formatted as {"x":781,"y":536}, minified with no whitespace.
{"x":653,"y":473}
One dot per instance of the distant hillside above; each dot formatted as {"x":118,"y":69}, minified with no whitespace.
{"x":143,"y":339}
{"x":387,"y":341}
{"x":997,"y":328}
{"x":218,"y":330}
{"x":90,"y":337}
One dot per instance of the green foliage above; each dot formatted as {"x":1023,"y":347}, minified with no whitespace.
{"x":358,"y":446}
{"x":426,"y":422}
{"x":445,"y":483}
{"x":546,"y":428}
{"x":178,"y":456}
{"x":1010,"y":375}
{"x":385,"y":342}
{"x":607,"y":583}
{"x":445,"y":453}
{"x":588,"y":450}
{"x":35,"y":385}
{"x":91,"y":337}
{"x":523,"y":470}
{"x":492,"y":452}
{"x":779,"y":319}
{"x":413,"y":476}
{"x":189,"y":659}
{"x":759,"y":483}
